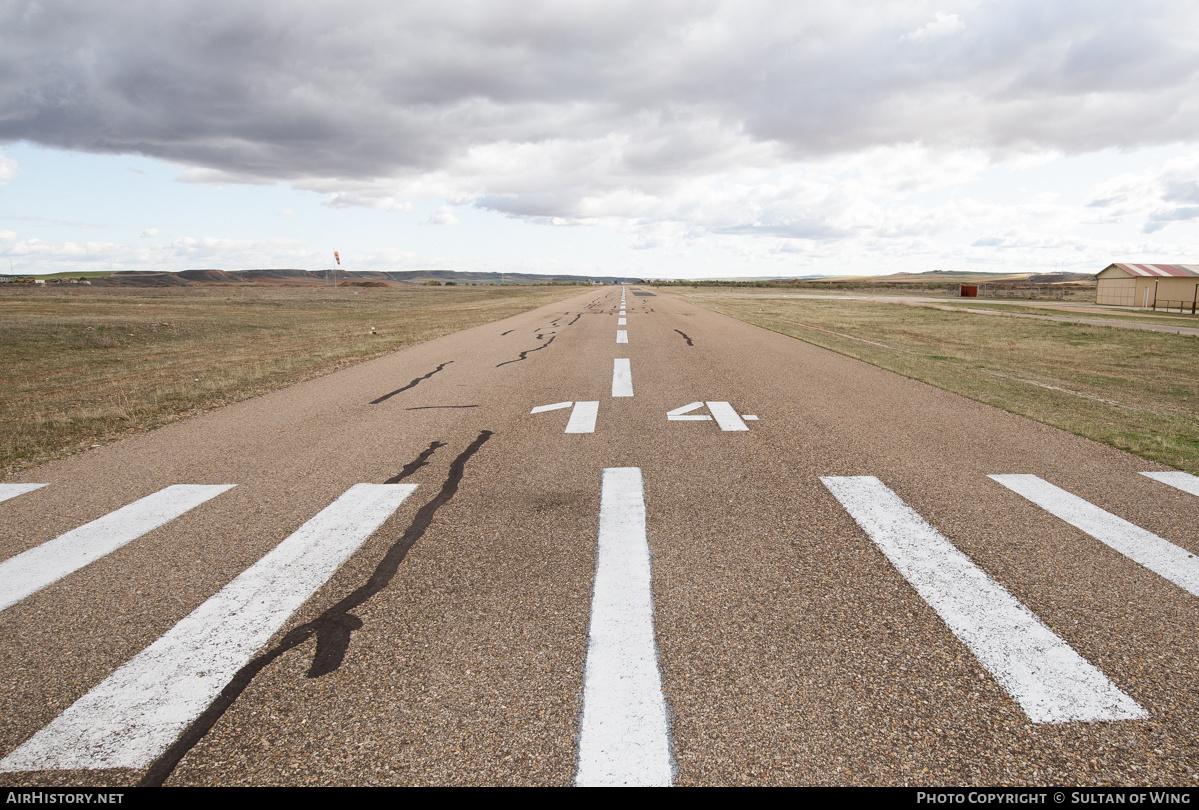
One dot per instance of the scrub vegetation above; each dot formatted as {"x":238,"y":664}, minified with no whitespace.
{"x":81,"y":366}
{"x":1134,"y":390}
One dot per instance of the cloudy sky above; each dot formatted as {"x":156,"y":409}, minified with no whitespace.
{"x":661,"y":139}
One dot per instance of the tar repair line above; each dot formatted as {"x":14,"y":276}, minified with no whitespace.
{"x":138,"y":711}
{"x":1155,"y":553}
{"x":1050,"y":681}
{"x":1179,"y":480}
{"x":624,"y":738}
{"x":13,"y":490}
{"x":622,"y":378}
{"x":32,"y":570}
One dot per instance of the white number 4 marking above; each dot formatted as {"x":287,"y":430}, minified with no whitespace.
{"x":722,"y":412}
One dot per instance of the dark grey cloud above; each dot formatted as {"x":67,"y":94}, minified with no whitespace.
{"x":534,"y":108}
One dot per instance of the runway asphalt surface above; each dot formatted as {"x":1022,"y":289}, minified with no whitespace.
{"x":836,"y":592}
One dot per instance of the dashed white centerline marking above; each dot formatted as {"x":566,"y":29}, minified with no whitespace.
{"x":622,"y":378}
{"x":582,"y":418}
{"x":138,"y":711}
{"x":1179,"y":480}
{"x":725,"y":416}
{"x":624,"y":738}
{"x":32,"y":570}
{"x":1051,"y":682}
{"x":622,"y":321}
{"x":13,"y":490}
{"x":622,"y":336}
{"x":1155,"y":553}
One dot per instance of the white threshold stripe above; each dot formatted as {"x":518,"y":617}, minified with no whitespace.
{"x":622,"y":321}
{"x":622,"y":378}
{"x":582,"y":417}
{"x":1179,"y":480}
{"x":1051,"y":682}
{"x":624,"y":738}
{"x":30,"y":571}
{"x":13,"y":490}
{"x":725,"y":416}
{"x":1155,"y":553}
{"x":622,"y":336}
{"x":138,"y":711}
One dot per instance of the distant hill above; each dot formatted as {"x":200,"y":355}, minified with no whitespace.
{"x":932,"y":279}
{"x":954,"y":276}
{"x":208,"y":275}
{"x":316,"y":278}
{"x":398,"y":278}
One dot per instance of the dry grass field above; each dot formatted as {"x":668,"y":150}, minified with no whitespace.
{"x":80,"y":366}
{"x":1108,"y":314}
{"x":1131,"y":389}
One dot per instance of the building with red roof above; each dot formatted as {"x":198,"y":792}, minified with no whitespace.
{"x":1152,"y":286}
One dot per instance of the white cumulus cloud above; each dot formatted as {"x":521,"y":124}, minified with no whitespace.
{"x":8,"y":168}
{"x":942,"y":25}
{"x":442,"y":216}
